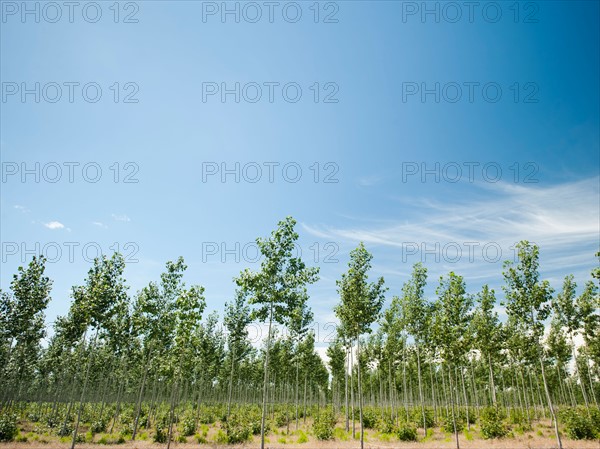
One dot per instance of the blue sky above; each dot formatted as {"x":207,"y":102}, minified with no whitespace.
{"x":528,"y":158}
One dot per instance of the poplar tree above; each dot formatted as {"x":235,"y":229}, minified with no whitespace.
{"x":487,"y":332}
{"x":276,"y":289}
{"x":528,"y":302}
{"x":360,"y":306}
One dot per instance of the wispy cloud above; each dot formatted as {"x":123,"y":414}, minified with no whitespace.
{"x":21,"y":208}
{"x":369,"y":181}
{"x":54,"y":225}
{"x":99,"y":224}
{"x":120,"y":217}
{"x":564,"y":220}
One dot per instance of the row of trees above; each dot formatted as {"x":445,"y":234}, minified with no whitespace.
{"x":158,"y":346}
{"x":455,"y":348}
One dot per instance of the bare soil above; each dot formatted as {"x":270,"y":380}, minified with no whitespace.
{"x":541,"y":437}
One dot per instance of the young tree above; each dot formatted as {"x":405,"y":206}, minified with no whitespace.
{"x":154,"y":320}
{"x":237,"y":318}
{"x":299,"y":320}
{"x":569,"y":317}
{"x":94,"y":303}
{"x":337,"y":365}
{"x":22,"y":322}
{"x":487,"y":332}
{"x":451,"y":323}
{"x":416,"y":313}
{"x":588,"y":303}
{"x":360,"y":305}
{"x":528,"y":304}
{"x":277,"y":289}
{"x":190,"y":305}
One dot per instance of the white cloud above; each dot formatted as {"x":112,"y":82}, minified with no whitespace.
{"x":99,"y":224}
{"x":369,"y":181}
{"x":121,"y":217}
{"x":564,"y":220}
{"x":54,"y":225}
{"x":21,"y":208}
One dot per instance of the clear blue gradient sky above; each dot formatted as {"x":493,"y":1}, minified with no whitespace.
{"x":529,"y":161}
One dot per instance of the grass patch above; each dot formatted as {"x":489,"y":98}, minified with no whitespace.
{"x":341,"y":434}
{"x":221,"y":437}
{"x":385,"y":437}
{"x":302,"y":437}
{"x":108,"y":440}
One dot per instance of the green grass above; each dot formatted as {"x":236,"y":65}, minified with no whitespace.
{"x":340,"y":434}
{"x":302,"y":437}
{"x":386,"y":437}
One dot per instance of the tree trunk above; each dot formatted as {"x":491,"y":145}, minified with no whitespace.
{"x":360,"y":410}
{"x":230,"y":381}
{"x":578,"y":375}
{"x":492,"y":384}
{"x":352,"y":393}
{"x":139,"y":403}
{"x":421,"y":390}
{"x":462,"y":378}
{"x":87,"y":375}
{"x":297,"y":387}
{"x":346,"y":392}
{"x":451,"y":388}
{"x":265,"y":380}
{"x":550,"y":404}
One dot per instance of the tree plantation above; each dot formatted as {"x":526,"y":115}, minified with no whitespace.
{"x":156,"y":368}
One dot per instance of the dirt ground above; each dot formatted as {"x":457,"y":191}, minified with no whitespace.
{"x":541,"y":437}
{"x":437,"y":441}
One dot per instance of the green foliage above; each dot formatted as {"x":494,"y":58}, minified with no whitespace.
{"x":302,"y":437}
{"x":386,"y":425}
{"x":188,"y":425}
{"x":361,"y":301}
{"x":221,"y":437}
{"x":417,"y":417}
{"x":407,"y":432}
{"x":51,"y":422}
{"x":448,"y":423}
{"x":107,"y":440}
{"x":65,"y":429}
{"x":281,"y":419}
{"x":595,"y":412}
{"x":238,"y":430}
{"x":8,"y":427}
{"x":207,"y":416}
{"x":517,"y":417}
{"x":34,"y":417}
{"x":578,"y":426}
{"x":323,"y":425}
{"x":340,"y":434}
{"x":99,"y":426}
{"x":370,"y":418}
{"x":160,"y":436}
{"x":492,"y":423}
